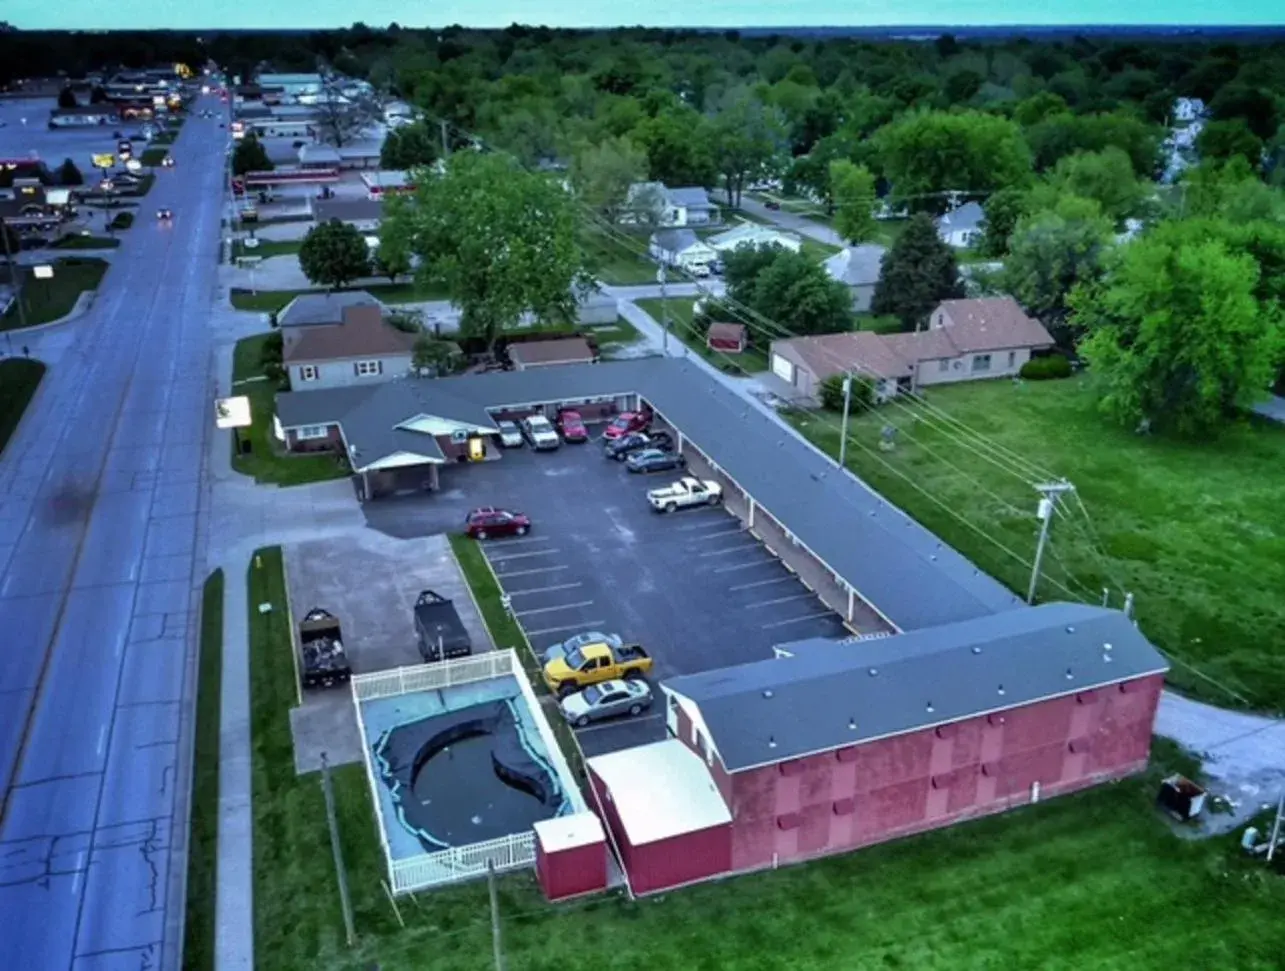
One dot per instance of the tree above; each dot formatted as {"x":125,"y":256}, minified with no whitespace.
{"x":409,"y":147}
{"x":342,"y":118}
{"x":1049,"y":253}
{"x":747,"y":136}
{"x":433,"y":357}
{"x":741,"y":269}
{"x":1229,"y":190}
{"x":853,"y":188}
{"x":917,"y":273}
{"x":1061,"y":134}
{"x":677,"y":146}
{"x":861,"y":393}
{"x":250,"y":156}
{"x":795,"y":291}
{"x":1106,"y":177}
{"x":1003,"y":209}
{"x":391,"y":259}
{"x":1223,"y":140}
{"x":69,"y":174}
{"x":1176,"y":338}
{"x":334,"y":254}
{"x":97,"y":95}
{"x":67,"y":99}
{"x":499,"y":239}
{"x":603,"y":173}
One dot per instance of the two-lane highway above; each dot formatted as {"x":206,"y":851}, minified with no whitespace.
{"x":99,"y":499}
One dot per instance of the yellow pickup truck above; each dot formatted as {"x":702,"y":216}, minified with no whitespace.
{"x":594,"y":663}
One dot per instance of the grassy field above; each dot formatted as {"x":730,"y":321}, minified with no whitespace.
{"x":752,"y":361}
{"x":615,"y":262}
{"x":265,"y":463}
{"x":52,"y":299}
{"x":86,"y":242}
{"x":612,"y":337}
{"x":268,"y":301}
{"x":267,"y":248}
{"x":202,"y":854}
{"x":1195,"y":531}
{"x":19,"y":378}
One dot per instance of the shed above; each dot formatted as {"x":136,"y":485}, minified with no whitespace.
{"x":667,"y":818}
{"x":570,"y":855}
{"x":726,"y":337}
{"x":531,"y":354}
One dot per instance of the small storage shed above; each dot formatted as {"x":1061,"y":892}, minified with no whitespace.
{"x":669,"y":823}
{"x":567,"y":350}
{"x":570,"y":855}
{"x":726,"y":337}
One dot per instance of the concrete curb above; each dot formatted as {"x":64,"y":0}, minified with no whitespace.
{"x":81,"y":307}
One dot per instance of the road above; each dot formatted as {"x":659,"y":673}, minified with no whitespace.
{"x":793,"y":222}
{"x":98,"y":530}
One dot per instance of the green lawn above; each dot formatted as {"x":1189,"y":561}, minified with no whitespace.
{"x":202,"y":853}
{"x":19,"y":378}
{"x":86,"y":242}
{"x":122,"y":220}
{"x":616,"y":262}
{"x":268,"y":301}
{"x":154,"y":156}
{"x":267,"y":248}
{"x":752,"y":361}
{"x":266,"y":463}
{"x":52,"y":299}
{"x":612,"y":337}
{"x":1195,"y":531}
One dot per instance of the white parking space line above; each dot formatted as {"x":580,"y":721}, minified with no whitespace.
{"x":796,"y":620}
{"x":519,"y":556}
{"x":528,"y":573}
{"x":517,"y":540}
{"x":747,"y":566}
{"x":763,"y":583}
{"x":556,"y":586}
{"x":703,"y":524}
{"x":731,"y":549}
{"x":547,"y":610}
{"x":587,"y":625}
{"x":734,"y":531}
{"x":618,"y":724}
{"x":782,"y":600}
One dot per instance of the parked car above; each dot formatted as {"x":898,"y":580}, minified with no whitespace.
{"x":594,"y":664}
{"x":772,"y":204}
{"x":607,"y":700}
{"x":489,"y":521}
{"x":168,"y":162}
{"x":684,"y":493}
{"x":661,"y":440}
{"x":619,"y":448}
{"x":626,"y":423}
{"x":654,"y":460}
{"x":510,"y":434}
{"x":540,"y":433}
{"x":555,"y":651}
{"x":572,"y":427}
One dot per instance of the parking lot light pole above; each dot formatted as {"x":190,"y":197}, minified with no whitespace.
{"x":843,"y":428}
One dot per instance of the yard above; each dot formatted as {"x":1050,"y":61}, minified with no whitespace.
{"x":1194,"y":531}
{"x":752,"y":361}
{"x":51,"y":299}
{"x":616,"y":262}
{"x":77,"y":241}
{"x":267,"y":248}
{"x":19,"y":379}
{"x":266,"y":463}
{"x":268,"y":301}
{"x":153,"y":157}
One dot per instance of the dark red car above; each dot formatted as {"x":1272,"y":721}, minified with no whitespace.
{"x":572,"y":427}
{"x":489,"y":521}
{"x":626,"y":423}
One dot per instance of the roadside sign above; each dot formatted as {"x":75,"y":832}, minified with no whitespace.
{"x":232,"y":412}
{"x":104,"y":160}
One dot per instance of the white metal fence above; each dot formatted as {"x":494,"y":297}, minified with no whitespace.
{"x":431,"y":677}
{"x":515,"y":852}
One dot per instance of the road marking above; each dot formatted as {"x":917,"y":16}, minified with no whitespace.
{"x":731,"y":549}
{"x":515,"y":540}
{"x":704,"y":523}
{"x":556,"y":586}
{"x":527,"y":573}
{"x":762,"y":583}
{"x":102,"y":740}
{"x":587,"y":625}
{"x":546,"y":610}
{"x":782,"y":600}
{"x":795,"y":620}
{"x":746,"y":566}
{"x":725,"y":532}
{"x":520,"y":556}
{"x":591,"y":727}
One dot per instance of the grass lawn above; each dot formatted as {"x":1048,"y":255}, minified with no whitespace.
{"x":752,"y":361}
{"x":122,"y":220}
{"x":154,"y":156}
{"x":267,"y":248}
{"x":267,"y":301}
{"x":616,"y":262}
{"x":1194,"y":531}
{"x":86,"y":242}
{"x":19,"y":378}
{"x":202,"y":854}
{"x":48,"y":300}
{"x":265,"y":463}
{"x":612,"y":337}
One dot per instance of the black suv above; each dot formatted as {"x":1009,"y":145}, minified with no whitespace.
{"x":624,"y":446}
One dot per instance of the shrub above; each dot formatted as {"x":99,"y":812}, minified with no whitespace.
{"x":1046,"y":368}
{"x":122,"y":220}
{"x":831,"y":393}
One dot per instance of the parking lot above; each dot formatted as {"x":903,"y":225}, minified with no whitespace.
{"x":695,"y":589}
{"x":25,"y":129}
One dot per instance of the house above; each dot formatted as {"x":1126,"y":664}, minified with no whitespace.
{"x":362,"y":155}
{"x":318,"y":157}
{"x":365,"y":214}
{"x":753,"y":234}
{"x":386,"y":181}
{"x":292,"y":84}
{"x":681,"y":248}
{"x":309,"y":309}
{"x":726,"y":337}
{"x":1187,"y":110}
{"x":836,"y":745}
{"x":858,"y":268}
{"x":962,"y":227}
{"x":524,"y":355}
{"x":966,"y":340}
{"x":654,"y":203}
{"x":84,"y":116}
{"x":361,"y":349}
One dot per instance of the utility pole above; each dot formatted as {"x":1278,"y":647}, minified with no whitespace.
{"x":345,"y":902}
{"x":446,"y":139}
{"x":15,"y":277}
{"x":664,"y":311}
{"x":497,"y":944}
{"x":843,"y":429}
{"x":1049,"y":494}
{"x":1276,"y":828}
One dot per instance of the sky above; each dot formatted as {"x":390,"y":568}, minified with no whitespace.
{"x":142,"y":14}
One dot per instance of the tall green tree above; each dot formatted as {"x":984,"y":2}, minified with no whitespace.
{"x":1003,"y":209}
{"x":1225,"y":140}
{"x":790,"y":289}
{"x":602,"y":174}
{"x":500,"y":239}
{"x":1176,"y":337}
{"x":1229,"y":190}
{"x":250,"y":156}
{"x":853,"y":188}
{"x":918,"y":272}
{"x":69,"y":174}
{"x":677,"y":143}
{"x":746,"y":138}
{"x":1106,"y":177}
{"x":334,"y":254}
{"x":409,"y":147}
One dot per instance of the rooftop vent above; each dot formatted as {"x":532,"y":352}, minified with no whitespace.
{"x":929,"y":707}
{"x":771,"y":741}
{"x":1107,"y":647}
{"x":852,"y":724}
{"x":977,"y":649}
{"x":1070,"y":629}
{"x":767,"y":692}
{"x":1001,"y":689}
{"x":1069,"y":675}
{"x":873,"y":672}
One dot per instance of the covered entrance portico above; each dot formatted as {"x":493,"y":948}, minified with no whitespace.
{"x":397,"y":473}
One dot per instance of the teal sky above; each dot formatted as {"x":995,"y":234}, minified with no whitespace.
{"x":107,"y":14}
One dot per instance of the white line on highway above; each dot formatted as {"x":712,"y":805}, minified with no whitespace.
{"x":731,"y":549}
{"x":556,"y":586}
{"x":762,"y":583}
{"x":617,"y":724}
{"x":782,"y":600}
{"x":527,"y":573}
{"x":795,"y":620}
{"x":519,"y":556}
{"x":547,"y":610}
{"x":745,"y":566}
{"x":587,"y":625}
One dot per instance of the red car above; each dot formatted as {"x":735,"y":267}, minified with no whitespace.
{"x":572,"y":427}
{"x":489,"y":521}
{"x":626,"y":423}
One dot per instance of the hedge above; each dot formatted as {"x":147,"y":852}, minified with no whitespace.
{"x":1046,"y":368}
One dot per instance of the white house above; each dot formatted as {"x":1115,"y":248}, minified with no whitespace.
{"x":657,"y":204}
{"x":962,"y":227}
{"x":754,"y":234}
{"x":858,"y":268}
{"x":1187,"y":110}
{"x":682,"y":248}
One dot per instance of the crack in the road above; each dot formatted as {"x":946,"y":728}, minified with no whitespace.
{"x":49,"y":870}
{"x":151,"y":844}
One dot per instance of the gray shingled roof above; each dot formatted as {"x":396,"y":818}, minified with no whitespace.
{"x":690,"y":196}
{"x":322,"y":308}
{"x":905,"y":571}
{"x":675,"y":240}
{"x":829,"y":697}
{"x":857,"y":266}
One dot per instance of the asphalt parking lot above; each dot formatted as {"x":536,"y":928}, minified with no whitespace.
{"x":19,"y":139}
{"x":693,"y":588}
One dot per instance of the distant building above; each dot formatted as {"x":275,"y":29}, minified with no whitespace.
{"x":84,"y":117}
{"x":962,"y":227}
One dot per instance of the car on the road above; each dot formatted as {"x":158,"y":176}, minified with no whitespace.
{"x":168,"y":161}
{"x":488,"y":521}
{"x":572,"y":426}
{"x":164,"y":215}
{"x":772,"y":204}
{"x":684,"y":493}
{"x":619,"y":448}
{"x":654,"y":460}
{"x":554,"y":651}
{"x":626,"y":423}
{"x":510,"y":434}
{"x":607,"y":700}
{"x":540,"y":433}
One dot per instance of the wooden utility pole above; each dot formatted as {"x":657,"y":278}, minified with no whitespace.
{"x":446,"y":139}
{"x":1049,"y":494}
{"x":345,"y":901}
{"x":497,"y":944}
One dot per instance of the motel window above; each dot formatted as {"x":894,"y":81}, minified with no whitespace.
{"x":943,"y":365}
{"x":848,"y":754}
{"x":308,"y":372}
{"x":1086,"y":697}
{"x":789,"y":821}
{"x":366,"y":368}
{"x":995,"y":720}
{"x":981,"y":362}
{"x":1012,"y":358}
{"x":939,"y":782}
{"x":944,"y":731}
{"x":988,"y":770}
{"x":1125,"y":687}
{"x":312,"y":432}
{"x":1077,"y":746}
{"x":791,"y":768}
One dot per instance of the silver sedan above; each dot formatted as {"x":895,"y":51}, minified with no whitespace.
{"x":606,"y":700}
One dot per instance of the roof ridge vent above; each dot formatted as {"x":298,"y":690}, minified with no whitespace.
{"x":852,"y":724}
{"x":929,"y":707}
{"x":977,"y":649}
{"x":1070,"y":675}
{"x":767,"y":692}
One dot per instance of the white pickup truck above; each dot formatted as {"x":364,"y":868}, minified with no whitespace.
{"x":683,"y":493}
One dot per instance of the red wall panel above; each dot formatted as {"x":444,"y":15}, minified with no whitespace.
{"x":681,"y":860}
{"x":572,"y":872}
